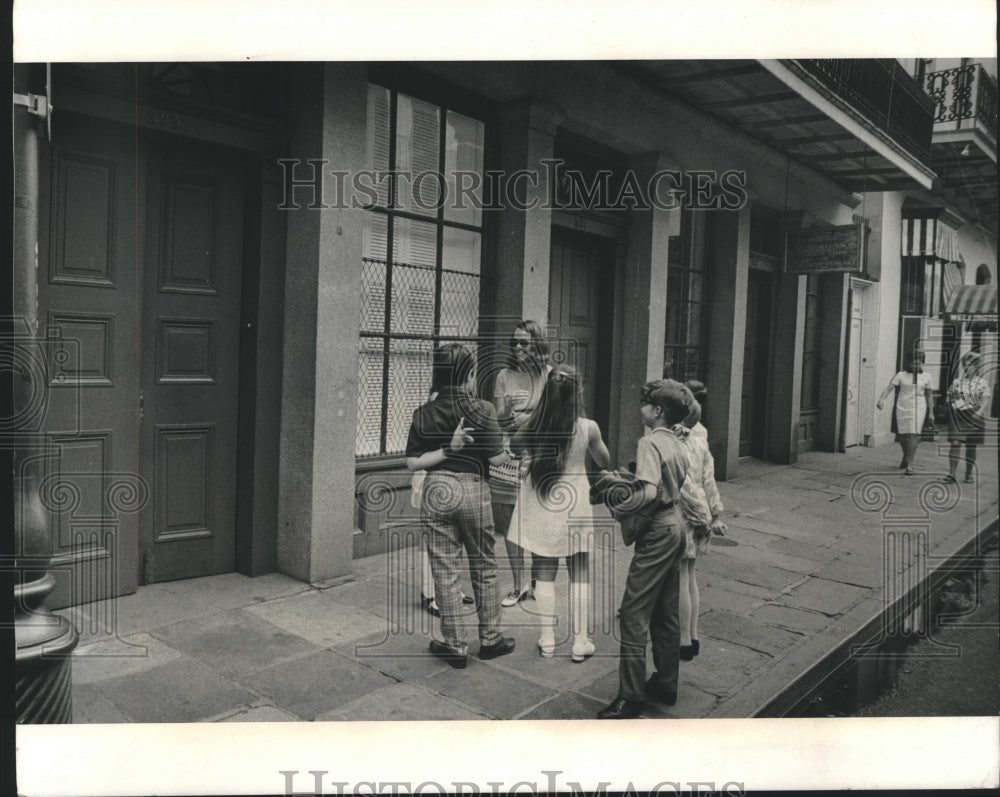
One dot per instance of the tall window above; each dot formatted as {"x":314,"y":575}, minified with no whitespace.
{"x":685,"y":346}
{"x":421,"y":259}
{"x":811,"y":346}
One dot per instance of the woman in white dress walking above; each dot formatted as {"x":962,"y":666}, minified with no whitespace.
{"x":553,"y":517}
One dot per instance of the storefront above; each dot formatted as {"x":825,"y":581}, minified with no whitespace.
{"x":257,"y":266}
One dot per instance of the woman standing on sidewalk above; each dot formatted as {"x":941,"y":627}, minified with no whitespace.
{"x":967,"y":397}
{"x":516,"y":393}
{"x":553,"y":517}
{"x":455,"y":437}
{"x":914,"y":398}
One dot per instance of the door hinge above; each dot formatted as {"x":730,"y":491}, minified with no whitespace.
{"x":142,"y":405}
{"x":146,"y":569}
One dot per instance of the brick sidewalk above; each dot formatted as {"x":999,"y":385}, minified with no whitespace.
{"x":800,"y":572}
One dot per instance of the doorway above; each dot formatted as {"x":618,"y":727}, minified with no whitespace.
{"x":756,"y":363}
{"x":856,"y":361}
{"x":580,"y":307}
{"x":142,"y":241}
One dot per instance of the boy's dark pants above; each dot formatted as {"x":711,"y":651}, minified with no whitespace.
{"x":650,"y":607}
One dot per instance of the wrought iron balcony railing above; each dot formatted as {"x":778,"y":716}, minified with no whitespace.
{"x":882,"y":92}
{"x":965,"y":97}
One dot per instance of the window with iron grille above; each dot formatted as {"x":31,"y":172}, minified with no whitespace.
{"x":421,"y":258}
{"x":686,"y":339}
{"x":809,"y":400}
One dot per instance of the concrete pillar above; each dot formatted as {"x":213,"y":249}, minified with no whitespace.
{"x":643,"y":307}
{"x":834,"y":307}
{"x":524,"y":236}
{"x":788,"y":338}
{"x":729,"y":266}
{"x":885,"y":217}
{"x":321,"y":321}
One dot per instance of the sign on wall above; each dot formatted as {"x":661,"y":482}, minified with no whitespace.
{"x":819,"y":250}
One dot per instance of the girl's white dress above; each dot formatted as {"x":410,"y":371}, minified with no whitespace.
{"x":562,"y":524}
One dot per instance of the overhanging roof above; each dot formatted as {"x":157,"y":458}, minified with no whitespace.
{"x":782,"y":105}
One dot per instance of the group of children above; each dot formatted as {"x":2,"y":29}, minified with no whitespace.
{"x":537,"y":430}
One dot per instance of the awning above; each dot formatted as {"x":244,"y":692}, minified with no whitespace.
{"x":972,"y":303}
{"x":946,"y":244}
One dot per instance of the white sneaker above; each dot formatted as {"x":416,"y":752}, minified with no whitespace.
{"x":582,"y":648}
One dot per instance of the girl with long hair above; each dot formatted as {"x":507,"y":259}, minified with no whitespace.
{"x":553,"y":517}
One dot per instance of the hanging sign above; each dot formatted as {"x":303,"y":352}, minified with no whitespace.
{"x":818,"y":250}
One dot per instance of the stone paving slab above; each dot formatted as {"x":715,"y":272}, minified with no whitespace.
{"x":314,"y":684}
{"x":719,"y":598}
{"x":847,"y":571}
{"x":742,"y":630}
{"x":400,"y":702}
{"x":821,"y":595}
{"x":797,"y":620}
{"x":91,"y":708}
{"x":488,"y":690}
{"x":568,"y":705}
{"x":709,"y":581}
{"x":750,"y":573}
{"x":115,"y":658}
{"x":320,"y":619}
{"x":769,"y":557}
{"x":721,"y":667}
{"x":403,"y":656}
{"x":260,"y":714}
{"x":803,"y":550}
{"x":234,"y":643}
{"x":691,"y":702}
{"x":178,"y":691}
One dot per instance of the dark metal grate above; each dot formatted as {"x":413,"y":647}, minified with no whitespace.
{"x":394,"y":366}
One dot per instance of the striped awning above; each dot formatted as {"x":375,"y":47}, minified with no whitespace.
{"x":972,"y":303}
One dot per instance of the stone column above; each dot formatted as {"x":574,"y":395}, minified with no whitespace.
{"x":729,"y":265}
{"x":643,"y":305}
{"x":321,"y":322}
{"x":524,"y":227}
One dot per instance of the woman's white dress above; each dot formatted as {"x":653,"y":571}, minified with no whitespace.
{"x":563,"y":523}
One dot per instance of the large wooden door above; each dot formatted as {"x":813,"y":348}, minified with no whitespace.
{"x":188,"y":397}
{"x":140,"y":271}
{"x":579,"y":308}
{"x":87,"y":282}
{"x":756,"y":346}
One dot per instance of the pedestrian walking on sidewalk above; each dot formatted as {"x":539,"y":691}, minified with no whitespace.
{"x":455,"y":437}
{"x":967,"y":398}
{"x":516,"y":393}
{"x":649,"y":606}
{"x":911,"y":408}
{"x":553,"y":517}
{"x":701,"y":471}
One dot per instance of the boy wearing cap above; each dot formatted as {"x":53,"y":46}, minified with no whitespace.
{"x":650,"y":604}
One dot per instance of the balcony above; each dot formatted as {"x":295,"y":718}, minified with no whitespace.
{"x":965,"y":101}
{"x":881,"y":91}
{"x":964,"y":144}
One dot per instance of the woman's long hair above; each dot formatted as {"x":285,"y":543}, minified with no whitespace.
{"x":549,"y":431}
{"x":539,"y":351}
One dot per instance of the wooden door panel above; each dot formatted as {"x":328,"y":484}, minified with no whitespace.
{"x":190,"y":361}
{"x":578,"y":270}
{"x":87,"y":283}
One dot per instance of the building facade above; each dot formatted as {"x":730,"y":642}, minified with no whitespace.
{"x":243,"y":269}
